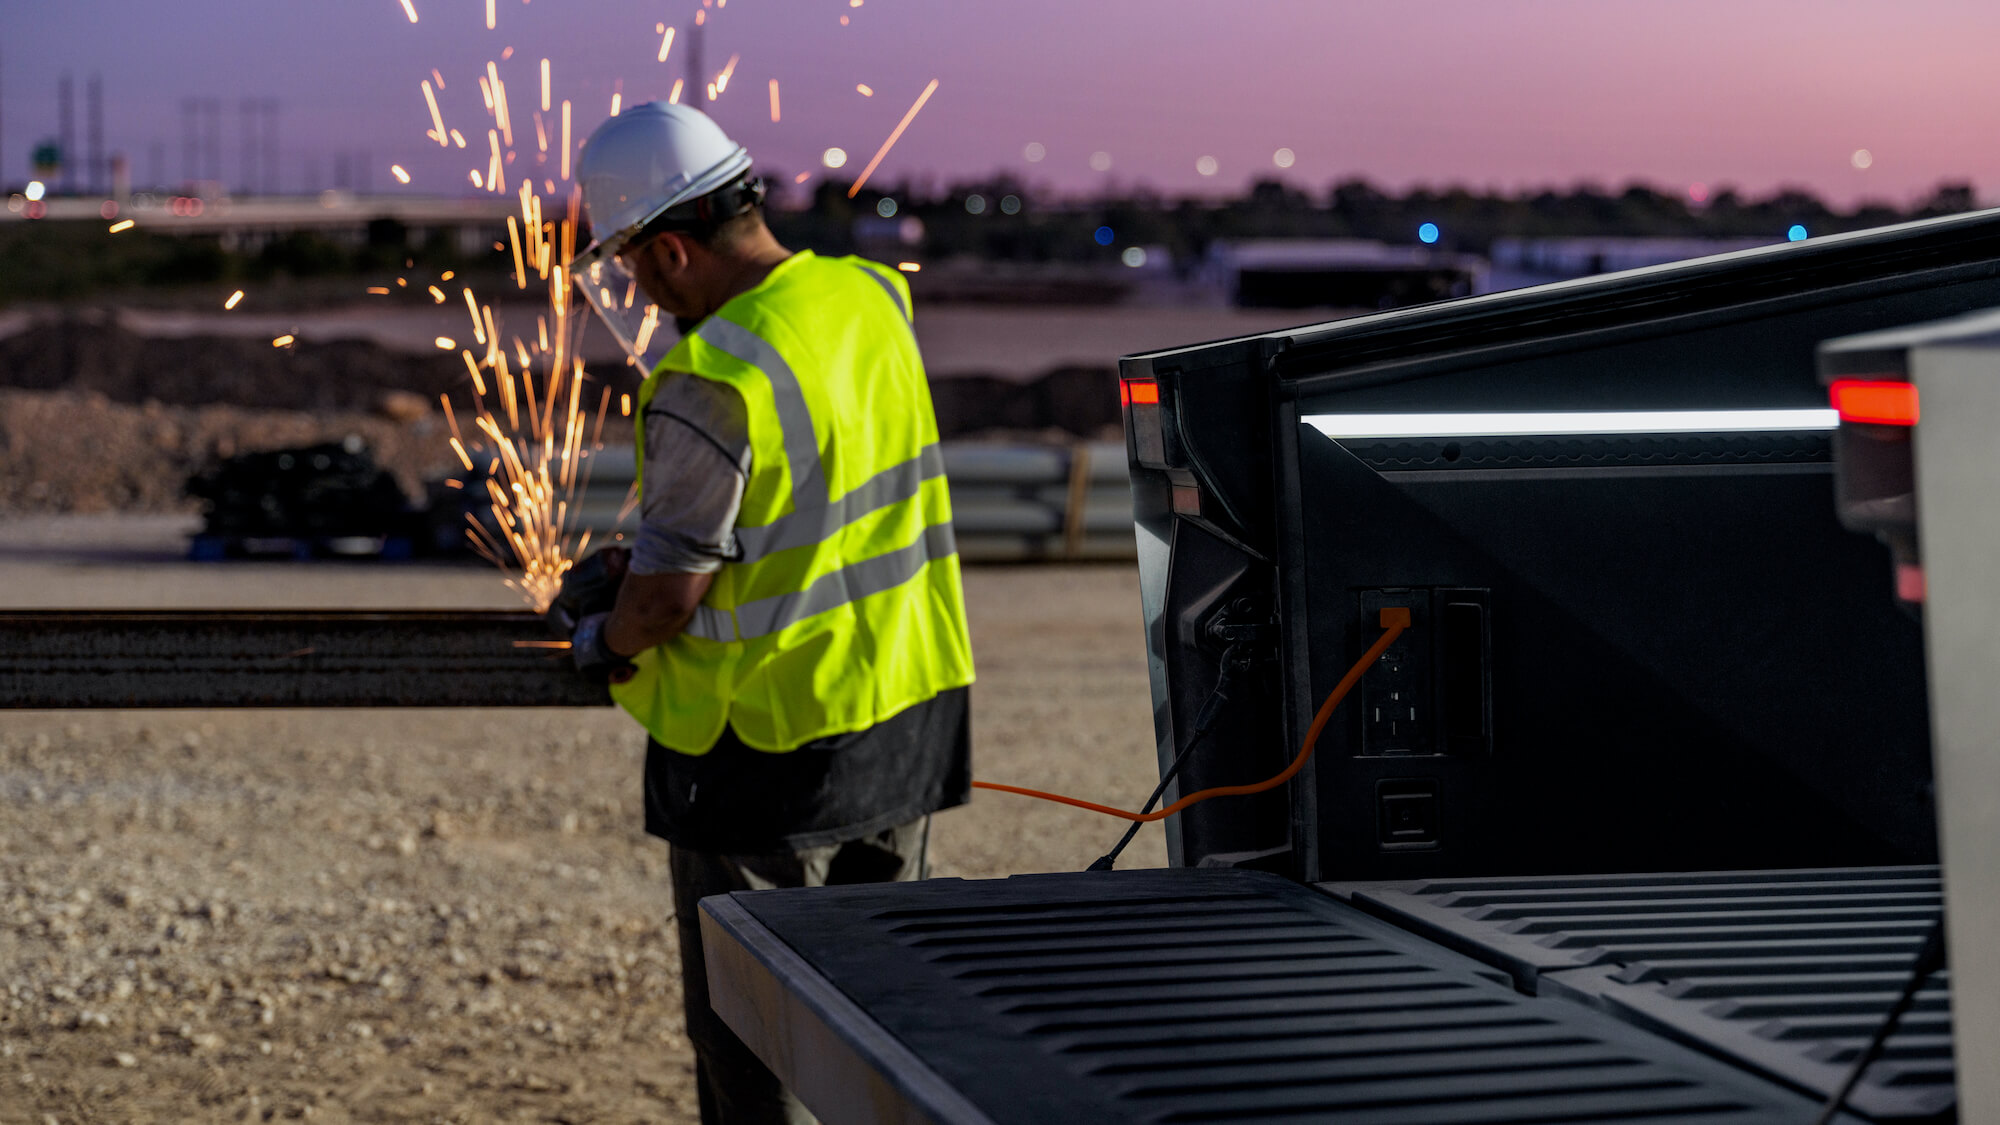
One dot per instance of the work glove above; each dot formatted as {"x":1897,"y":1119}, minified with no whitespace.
{"x":581,"y":608}
{"x":591,"y":586}
{"x":594,"y":659}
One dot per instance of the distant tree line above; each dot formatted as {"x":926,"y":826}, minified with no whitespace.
{"x":1008,"y":222}
{"x":1067,"y":230}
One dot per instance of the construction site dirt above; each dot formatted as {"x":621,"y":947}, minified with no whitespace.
{"x":428,"y":915}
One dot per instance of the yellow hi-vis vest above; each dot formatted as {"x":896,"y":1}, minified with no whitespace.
{"x":846,"y":607}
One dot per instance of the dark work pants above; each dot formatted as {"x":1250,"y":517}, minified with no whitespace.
{"x":735,"y":1087}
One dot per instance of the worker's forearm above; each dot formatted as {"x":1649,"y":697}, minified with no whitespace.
{"x":652,"y":610}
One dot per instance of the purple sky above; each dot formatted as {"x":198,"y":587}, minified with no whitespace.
{"x":1504,"y":93}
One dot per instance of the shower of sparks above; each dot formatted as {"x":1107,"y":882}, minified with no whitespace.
{"x":123,"y":225}
{"x":283,"y":342}
{"x":501,"y":117}
{"x":891,"y":142}
{"x":909,"y":267}
{"x":864,"y":90}
{"x":802,"y":177}
{"x":531,"y":436}
{"x":528,"y":437}
{"x":236,"y":299}
{"x":396,"y":170}
{"x":437,"y":119}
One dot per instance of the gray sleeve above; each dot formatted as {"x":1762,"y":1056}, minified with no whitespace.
{"x":697,"y":462}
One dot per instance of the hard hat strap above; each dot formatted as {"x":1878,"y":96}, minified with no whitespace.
{"x":708,"y":211}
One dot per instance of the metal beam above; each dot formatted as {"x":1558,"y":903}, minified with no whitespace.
{"x":52,"y":659}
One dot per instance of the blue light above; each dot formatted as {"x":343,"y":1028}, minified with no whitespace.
{"x":1428,"y":233}
{"x":1104,"y":236}
{"x":1797,"y":233}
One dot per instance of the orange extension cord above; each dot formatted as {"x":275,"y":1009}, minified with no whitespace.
{"x":1394,"y":621}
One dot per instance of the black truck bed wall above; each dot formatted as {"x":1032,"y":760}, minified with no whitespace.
{"x":1687,"y":664}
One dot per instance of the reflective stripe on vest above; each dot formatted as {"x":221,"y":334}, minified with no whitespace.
{"x":843,"y":603}
{"x":831,"y":590}
{"x":814,"y":517}
{"x":894,"y":295}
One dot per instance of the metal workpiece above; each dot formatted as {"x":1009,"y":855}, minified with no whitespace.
{"x":1174,"y":995}
{"x":1784,"y":972}
{"x":54,"y":659}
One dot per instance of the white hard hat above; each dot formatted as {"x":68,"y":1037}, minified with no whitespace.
{"x":647,"y":159}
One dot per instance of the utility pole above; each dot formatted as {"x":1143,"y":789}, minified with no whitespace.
{"x":190,"y":141}
{"x":270,"y":108}
{"x":696,"y":91}
{"x":66,"y":131}
{"x":93,"y":111}
{"x":248,"y":109}
{"x":214,"y":140}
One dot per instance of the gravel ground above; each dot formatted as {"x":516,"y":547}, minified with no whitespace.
{"x":429,"y":916}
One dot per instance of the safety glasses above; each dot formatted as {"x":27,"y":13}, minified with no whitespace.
{"x":613,"y":293}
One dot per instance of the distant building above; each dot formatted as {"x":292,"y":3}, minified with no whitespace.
{"x":1344,"y":273}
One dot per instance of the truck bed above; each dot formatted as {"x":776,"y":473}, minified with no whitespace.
{"x":1180,"y":995}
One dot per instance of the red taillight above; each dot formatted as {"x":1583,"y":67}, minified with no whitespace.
{"x":1138,"y":392}
{"x":1878,"y":402}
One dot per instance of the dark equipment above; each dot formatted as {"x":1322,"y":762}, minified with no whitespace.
{"x":318,"y":499}
{"x":1655,"y":749}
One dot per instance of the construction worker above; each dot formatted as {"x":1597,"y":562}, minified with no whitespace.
{"x":790,"y":626}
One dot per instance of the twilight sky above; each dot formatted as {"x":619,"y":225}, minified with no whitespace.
{"x":1505,"y":93}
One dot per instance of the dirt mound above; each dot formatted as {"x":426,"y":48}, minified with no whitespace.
{"x":64,"y":451}
{"x":94,"y":353}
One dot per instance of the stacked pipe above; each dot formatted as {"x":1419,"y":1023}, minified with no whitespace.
{"x":1009,"y":502}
